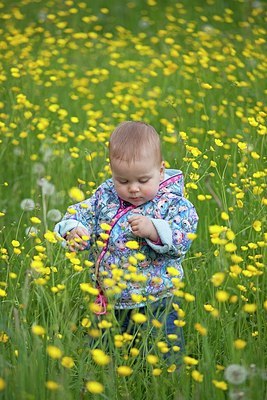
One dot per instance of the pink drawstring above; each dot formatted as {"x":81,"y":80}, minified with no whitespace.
{"x":102,"y":302}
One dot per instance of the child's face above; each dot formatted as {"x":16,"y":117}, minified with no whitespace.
{"x":137,"y":182}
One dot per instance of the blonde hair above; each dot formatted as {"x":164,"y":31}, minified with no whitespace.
{"x":132,"y":140}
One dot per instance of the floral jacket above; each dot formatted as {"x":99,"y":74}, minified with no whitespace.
{"x":135,"y":276}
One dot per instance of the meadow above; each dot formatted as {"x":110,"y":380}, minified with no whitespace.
{"x":70,"y":71}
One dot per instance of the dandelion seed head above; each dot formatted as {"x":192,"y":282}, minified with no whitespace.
{"x":38,"y":169}
{"x":47,"y":187}
{"x":54,"y":215}
{"x":235,"y":374}
{"x":27,"y":205}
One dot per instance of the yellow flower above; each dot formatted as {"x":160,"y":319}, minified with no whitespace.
{"x":230,"y":234}
{"x":134,"y":351}
{"x":189,"y":297}
{"x":76,"y":194}
{"x":240,"y":344}
{"x":208,"y":307}
{"x":132,"y":244}
{"x":192,"y":236}
{"x":152,"y":359}
{"x":3,"y":337}
{"x":218,"y":142}
{"x":88,"y":263}
{"x":67,"y":362}
{"x":242,"y":145}
{"x":203,"y":331}
{"x":220,"y":384}
{"x":205,"y":85}
{"x":35,"y":220}
{"x":2,"y":384}
{"x":222,"y":295}
{"x":54,"y":352}
{"x":50,"y":237}
{"x":86,"y":323}
{"x":3,"y":293}
{"x":171,"y":368}
{"x":216,"y":229}
{"x":197,"y":376}
{"x":71,"y":210}
{"x":173,"y":271}
{"x":157,"y":372}
{"x":139,"y":318}
{"x":104,"y":324}
{"x":250,"y":308}
{"x":156,"y":323}
{"x":104,"y":236}
{"x":179,"y":323}
{"x":124,"y":370}
{"x":257,"y":226}
{"x":190,"y":360}
{"x":15,"y":243}
{"x":52,"y":385}
{"x":137,"y":298}
{"x":236,"y":259}
{"x":230,"y":247}
{"x":99,"y":357}
{"x":94,"y":387}
{"x":38,"y":330}
{"x":86,"y":287}
{"x":224,"y":216}
{"x":105,"y":227}
{"x":140,"y":256}
{"x":252,"y":121}
{"x":218,"y":278}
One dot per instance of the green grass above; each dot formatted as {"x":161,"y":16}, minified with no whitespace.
{"x":70,"y":72}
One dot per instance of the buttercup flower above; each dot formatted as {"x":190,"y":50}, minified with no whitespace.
{"x":38,"y":330}
{"x":54,"y":352}
{"x":94,"y":387}
{"x":2,"y":384}
{"x":52,"y":385}
{"x":124,"y":370}
{"x":67,"y":362}
{"x":100,"y":357}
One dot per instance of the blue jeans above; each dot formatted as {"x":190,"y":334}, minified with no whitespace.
{"x":163,"y":312}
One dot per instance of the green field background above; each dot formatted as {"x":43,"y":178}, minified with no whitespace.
{"x":70,"y":71}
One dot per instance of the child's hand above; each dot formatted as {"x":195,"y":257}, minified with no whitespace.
{"x":77,"y":239}
{"x":143,"y":227}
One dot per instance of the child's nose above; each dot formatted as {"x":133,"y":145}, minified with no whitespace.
{"x":133,"y":188}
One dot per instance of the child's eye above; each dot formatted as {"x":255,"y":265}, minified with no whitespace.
{"x":144,"y":180}
{"x":122,"y":182}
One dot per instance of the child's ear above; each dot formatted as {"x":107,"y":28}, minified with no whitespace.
{"x":162,"y":170}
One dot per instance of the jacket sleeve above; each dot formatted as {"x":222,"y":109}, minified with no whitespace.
{"x":82,"y":214}
{"x":180,"y":219}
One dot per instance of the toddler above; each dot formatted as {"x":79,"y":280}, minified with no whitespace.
{"x":142,"y":203}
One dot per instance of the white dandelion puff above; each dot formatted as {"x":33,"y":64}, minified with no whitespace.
{"x":27,"y":205}
{"x":47,"y":188}
{"x":38,"y":168}
{"x":235,"y":374}
{"x":54,"y":215}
